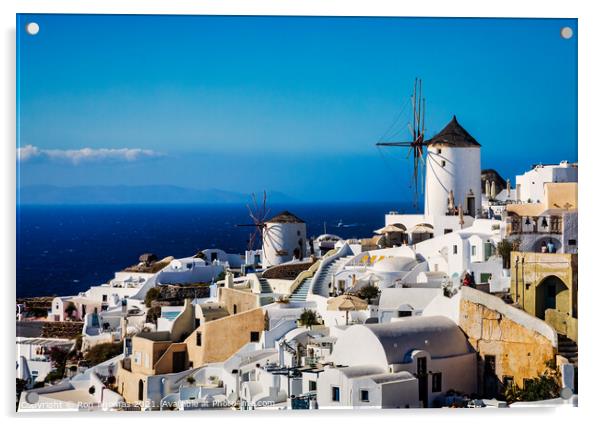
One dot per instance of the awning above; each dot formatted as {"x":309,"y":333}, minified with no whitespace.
{"x":347,"y":302}
{"x":396,"y":227}
{"x":423,"y":228}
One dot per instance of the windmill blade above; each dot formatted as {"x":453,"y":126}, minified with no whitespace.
{"x":394,"y":144}
{"x":252,"y":238}
{"x":252,"y":215}
{"x":265,"y":211}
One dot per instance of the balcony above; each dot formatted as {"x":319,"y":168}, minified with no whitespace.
{"x":517,"y":225}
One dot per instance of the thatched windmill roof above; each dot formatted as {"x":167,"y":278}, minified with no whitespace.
{"x":454,"y":135}
{"x":285,"y":217}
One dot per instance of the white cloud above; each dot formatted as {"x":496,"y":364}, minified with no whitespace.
{"x":78,"y":156}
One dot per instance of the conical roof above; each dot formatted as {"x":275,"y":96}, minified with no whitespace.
{"x":454,"y":135}
{"x":285,"y":217}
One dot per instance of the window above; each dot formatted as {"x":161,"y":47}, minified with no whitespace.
{"x":336,"y":394}
{"x":555,"y":224}
{"x":455,"y":249}
{"x":508,"y":381}
{"x":436,"y":383}
{"x":234,"y":309}
{"x":473,"y":250}
{"x":254,"y":336}
{"x":104,"y":297}
{"x":364,"y":395}
{"x":443,"y":163}
{"x":401,"y":314}
{"x":572,"y":242}
{"x":313,"y":385}
{"x":484,"y":278}
{"x":438,"y":150}
{"x":447,"y":231}
{"x":199,"y":338}
{"x":197,"y":322}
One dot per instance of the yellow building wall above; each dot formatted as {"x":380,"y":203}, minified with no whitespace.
{"x":520,"y":352}
{"x":184,"y":323}
{"x":561,"y":195}
{"x":528,"y":275}
{"x":221,"y":338}
{"x":154,"y":350}
{"x":127,"y":384}
{"x":164,"y":365}
{"x":244,"y":300}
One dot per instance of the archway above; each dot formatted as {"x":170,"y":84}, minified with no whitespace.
{"x":537,"y":245}
{"x":551,"y":293}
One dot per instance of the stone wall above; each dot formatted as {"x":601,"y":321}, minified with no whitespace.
{"x":520,"y":343}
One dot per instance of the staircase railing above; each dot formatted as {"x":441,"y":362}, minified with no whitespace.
{"x":330,"y":257}
{"x":306,"y":274}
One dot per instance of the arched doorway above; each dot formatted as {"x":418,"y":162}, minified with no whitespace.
{"x":551,"y":293}
{"x":539,"y":243}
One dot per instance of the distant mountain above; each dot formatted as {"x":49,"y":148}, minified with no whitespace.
{"x":146,"y":194}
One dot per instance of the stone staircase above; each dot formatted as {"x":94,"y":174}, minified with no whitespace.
{"x":300,"y":293}
{"x":265,"y":286}
{"x":325,"y":275}
{"x":568,"y":349}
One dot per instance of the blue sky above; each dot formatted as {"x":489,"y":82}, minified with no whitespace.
{"x":288,"y":104}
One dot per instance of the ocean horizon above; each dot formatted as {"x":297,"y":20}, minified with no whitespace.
{"x":62,"y":250}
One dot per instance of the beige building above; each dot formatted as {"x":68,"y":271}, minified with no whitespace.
{"x":199,"y":335}
{"x":553,"y":220}
{"x":545,"y":285}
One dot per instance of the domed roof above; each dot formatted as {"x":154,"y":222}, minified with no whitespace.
{"x":454,"y":135}
{"x":393,"y":264}
{"x":392,"y":343}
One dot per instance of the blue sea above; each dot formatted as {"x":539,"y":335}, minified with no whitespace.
{"x":62,"y":250}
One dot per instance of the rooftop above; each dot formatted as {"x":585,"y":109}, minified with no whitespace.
{"x":285,"y":217}
{"x":286,"y":271}
{"x":454,"y":135}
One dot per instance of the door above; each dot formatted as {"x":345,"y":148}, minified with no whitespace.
{"x":490,"y":381}
{"x":178,"y":361}
{"x":471,"y":206}
{"x":423,"y":384}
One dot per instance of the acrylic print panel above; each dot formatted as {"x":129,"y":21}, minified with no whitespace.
{"x":295,"y":212}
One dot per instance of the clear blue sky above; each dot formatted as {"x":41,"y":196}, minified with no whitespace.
{"x":283,"y":103}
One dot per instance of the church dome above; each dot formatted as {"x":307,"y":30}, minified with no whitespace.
{"x":394,"y":264}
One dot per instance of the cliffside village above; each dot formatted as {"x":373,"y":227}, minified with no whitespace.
{"x":471,"y":304}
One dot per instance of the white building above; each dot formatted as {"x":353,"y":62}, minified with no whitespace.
{"x":366,"y":387}
{"x":530,"y":185}
{"x":284,"y":239}
{"x":33,"y":357}
{"x":453,"y":163}
{"x":452,"y":182}
{"x":433,"y":349}
{"x":470,"y":249}
{"x":195,"y":269}
{"x":404,"y":302}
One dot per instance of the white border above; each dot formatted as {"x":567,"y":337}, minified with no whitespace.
{"x":590,"y":99}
